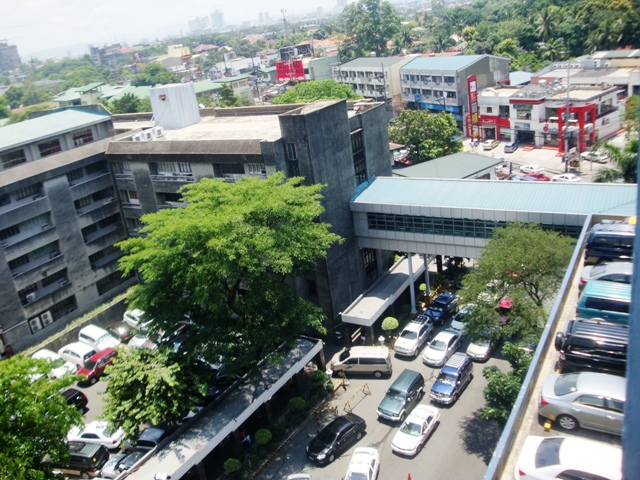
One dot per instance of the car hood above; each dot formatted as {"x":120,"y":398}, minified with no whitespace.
{"x":433,"y":313}
{"x":404,"y":441}
{"x":443,"y":388}
{"x":316,"y":447}
{"x":390,"y":405}
{"x":405,"y":343}
{"x":478,"y":349}
{"x":434,"y":355}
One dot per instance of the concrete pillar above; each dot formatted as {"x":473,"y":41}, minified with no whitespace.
{"x":412,"y":287}
{"x":426,"y":275}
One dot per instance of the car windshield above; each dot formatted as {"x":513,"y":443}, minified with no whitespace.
{"x":89,"y":364}
{"x":356,"y":476}
{"x":598,"y":270}
{"x":104,"y":338}
{"x":395,"y":394}
{"x":438,"y":345}
{"x":566,"y":384}
{"x":327,"y":437}
{"x":446,"y":378}
{"x":409,"y":334}
{"x":411,"y":428}
{"x":548,"y":452}
{"x":435,"y":308}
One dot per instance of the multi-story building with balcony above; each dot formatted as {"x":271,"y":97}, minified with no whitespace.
{"x":9,"y":58}
{"x":440,"y":83}
{"x":59,"y":219}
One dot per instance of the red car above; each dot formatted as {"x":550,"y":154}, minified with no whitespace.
{"x":540,"y":177}
{"x":93,"y":368}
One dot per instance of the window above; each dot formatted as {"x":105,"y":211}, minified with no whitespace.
{"x":232,"y":168}
{"x":257,"y":169}
{"x":489,"y":110}
{"x":424,"y":78}
{"x":133,"y":197}
{"x":49,"y":148}
{"x":449,"y":80}
{"x":184,"y":167}
{"x":80,"y":138}
{"x":9,"y":232}
{"x":369,"y":257}
{"x":591,"y":401}
{"x":359,"y":161}
{"x":293,"y":168}
{"x":30,"y":191}
{"x":133,"y":224}
{"x":123,"y":168}
{"x":75,"y":175}
{"x":291,"y":152}
{"x":12,"y":159}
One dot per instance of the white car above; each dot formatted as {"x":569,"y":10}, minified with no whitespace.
{"x":133,"y":318}
{"x":566,"y":177}
{"x":97,"y":432}
{"x":461,"y":318}
{"x":77,"y":353}
{"x":364,"y":464}
{"x":110,"y":469}
{"x":490,"y":144}
{"x":415,"y":430}
{"x":532,"y":169}
{"x":548,"y":458}
{"x":413,"y":337}
{"x":480,"y":349}
{"x":59,"y":366}
{"x":619,"y":272}
{"x":594,"y":156}
{"x":98,"y":338}
{"x":441,"y":348}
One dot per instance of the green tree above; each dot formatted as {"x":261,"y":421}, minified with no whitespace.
{"x":546,"y":23}
{"x":307,"y":92}
{"x":21,"y":117}
{"x":34,"y":418}
{"x":128,"y":103}
{"x":225,"y":258}
{"x":502,"y":388}
{"x":507,"y":48}
{"x":227,"y":97}
{"x":553,"y":50}
{"x":14,"y":96}
{"x":154,"y":74}
{"x":624,"y":161}
{"x":151,"y":386}
{"x":369,"y":25}
{"x":4,"y":108}
{"x":631,"y":110}
{"x":426,"y":135}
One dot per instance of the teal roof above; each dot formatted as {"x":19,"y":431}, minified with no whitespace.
{"x":373,"y":62}
{"x":456,"y":62}
{"x":140,"y":92}
{"x":549,"y":197}
{"x":206,"y":86}
{"x":67,"y":96}
{"x":47,"y":126}
{"x":91,"y":86}
{"x":268,"y":69}
{"x":109,"y":91}
{"x":458,"y":165}
{"x":232,"y":79}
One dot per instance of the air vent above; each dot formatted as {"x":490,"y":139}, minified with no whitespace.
{"x":31,"y":297}
{"x":35,"y":324}
{"x":46,"y":318}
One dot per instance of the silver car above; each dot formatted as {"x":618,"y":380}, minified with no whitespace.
{"x":584,"y":399}
{"x":445,"y":344}
{"x":413,"y":337}
{"x":619,"y":272}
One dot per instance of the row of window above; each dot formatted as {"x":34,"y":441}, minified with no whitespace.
{"x":425,"y":93}
{"x":456,"y":227}
{"x":437,"y":79}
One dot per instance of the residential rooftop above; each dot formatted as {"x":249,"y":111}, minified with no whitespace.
{"x":457,"y":62}
{"x":458,"y":165}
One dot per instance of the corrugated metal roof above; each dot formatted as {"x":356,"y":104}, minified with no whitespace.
{"x":47,"y":126}
{"x":140,"y":92}
{"x":581,"y":198}
{"x":457,"y":62}
{"x":373,"y":62}
{"x":232,"y":79}
{"x":458,"y":165}
{"x":91,"y":86}
{"x":206,"y":86}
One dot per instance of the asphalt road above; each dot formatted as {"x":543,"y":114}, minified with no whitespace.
{"x":460,"y":448}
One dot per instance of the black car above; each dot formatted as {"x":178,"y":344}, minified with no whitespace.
{"x":76,"y":398}
{"x":148,"y":440}
{"x":441,"y":308}
{"x":335,"y":438}
{"x":121,"y":331}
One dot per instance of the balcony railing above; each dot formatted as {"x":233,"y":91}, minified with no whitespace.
{"x":33,"y":264}
{"x":88,"y":178}
{"x":32,"y":232}
{"x":19,"y":203}
{"x":107,"y":259}
{"x":173,"y":177}
{"x":102,"y":232}
{"x":95,"y":206}
{"x":44,"y":291}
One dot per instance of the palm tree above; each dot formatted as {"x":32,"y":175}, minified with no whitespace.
{"x":546,"y":22}
{"x":609,"y":33}
{"x":404,"y":38}
{"x":553,"y":50}
{"x":441,"y":42}
{"x":625,"y":162}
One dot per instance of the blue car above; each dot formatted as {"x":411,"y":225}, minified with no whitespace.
{"x":442,"y":308}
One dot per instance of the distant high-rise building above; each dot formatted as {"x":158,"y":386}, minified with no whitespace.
{"x":319,"y":12}
{"x":198,"y":25}
{"x":9,"y":58}
{"x":105,"y":55}
{"x":267,"y":18}
{"x":217,"y":19}
{"x":263,"y":18}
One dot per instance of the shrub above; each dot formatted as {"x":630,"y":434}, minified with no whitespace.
{"x":279,"y":430}
{"x":296,"y":405}
{"x":232,"y":466}
{"x":263,"y":436}
{"x":252,"y":461}
{"x":390,"y":324}
{"x":423,"y":288}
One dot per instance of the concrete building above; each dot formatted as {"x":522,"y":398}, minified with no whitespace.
{"x":217,"y":19}
{"x":439,"y":84}
{"x":9,"y":58}
{"x":58,"y":223}
{"x":199,"y":25}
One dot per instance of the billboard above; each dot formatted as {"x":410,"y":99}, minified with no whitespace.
{"x":474,"y":123}
{"x":290,"y":71}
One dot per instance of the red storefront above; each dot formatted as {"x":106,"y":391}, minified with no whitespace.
{"x":581,"y":132}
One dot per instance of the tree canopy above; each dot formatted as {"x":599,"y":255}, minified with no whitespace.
{"x":225,"y":259}
{"x":624,"y":163}
{"x":307,"y":92}
{"x":426,"y":135}
{"x":34,"y":418}
{"x":154,"y":74}
{"x":368,"y":25}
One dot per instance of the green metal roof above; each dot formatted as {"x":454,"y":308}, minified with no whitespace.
{"x":67,"y":96}
{"x":456,"y":62}
{"x":206,"y":86}
{"x":232,"y":79}
{"x":550,"y":197}
{"x":47,"y":126}
{"x":373,"y":62}
{"x":91,"y":86}
{"x":458,"y":165}
{"x":140,"y":92}
{"x":267,"y":69}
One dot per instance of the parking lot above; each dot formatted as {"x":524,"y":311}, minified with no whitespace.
{"x":461,"y":446}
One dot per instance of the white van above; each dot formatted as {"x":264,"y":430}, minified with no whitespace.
{"x":77,"y":353}
{"x":98,"y":338}
{"x":375,"y":360}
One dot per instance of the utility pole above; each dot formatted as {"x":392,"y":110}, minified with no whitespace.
{"x":284,"y":19}
{"x":566,"y":125}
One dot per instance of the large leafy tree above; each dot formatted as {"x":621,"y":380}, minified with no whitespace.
{"x":307,"y":92}
{"x":34,"y":418}
{"x":226,"y":259}
{"x":624,"y":161}
{"x":426,"y":135}
{"x":369,"y":25}
{"x":154,"y":74}
{"x":128,"y":103}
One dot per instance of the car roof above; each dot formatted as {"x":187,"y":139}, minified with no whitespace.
{"x":447,"y":333}
{"x":445,"y":297}
{"x":78,"y":347}
{"x":604,"y":289}
{"x":614,"y":267}
{"x":93,"y":331}
{"x":71,"y":392}
{"x":102,"y":353}
{"x":601,"y":384}
{"x":338,"y":424}
{"x":45,"y":354}
{"x":413,"y":326}
{"x":151,"y":433}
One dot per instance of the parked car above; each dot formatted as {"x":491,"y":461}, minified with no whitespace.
{"x":148,"y":440}
{"x":480,"y":349}
{"x":441,"y":348}
{"x":588,"y":400}
{"x":566,"y":177}
{"x":412,"y":337}
{"x":532,"y":168}
{"x":97,"y":432}
{"x":490,"y":144}
{"x":454,"y":377}
{"x":334,"y":439}
{"x":77,"y":353}
{"x":539,"y":176}
{"x":415,"y":430}
{"x":549,"y":458}
{"x":97,"y":337}
{"x":619,"y":272}
{"x":511,"y":146}
{"x":608,"y":301}
{"x":365,"y":360}
{"x":442,"y":308}
{"x":85,"y":460}
{"x":142,"y":340}
{"x":405,"y":392}
{"x":110,"y":469}
{"x":461,"y":318}
{"x":133,"y":318}
{"x":75,"y":397}
{"x":595,"y":156}
{"x":121,"y":331}
{"x":364,"y":464}
{"x":59,"y":366}
{"x":94,"y":368}
{"x":610,"y":242}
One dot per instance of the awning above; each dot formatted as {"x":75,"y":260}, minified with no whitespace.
{"x":368,"y":307}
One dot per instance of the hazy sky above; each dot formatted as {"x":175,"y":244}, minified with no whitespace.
{"x":38,"y":25}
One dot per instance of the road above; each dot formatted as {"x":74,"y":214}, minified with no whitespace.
{"x":461,"y":447}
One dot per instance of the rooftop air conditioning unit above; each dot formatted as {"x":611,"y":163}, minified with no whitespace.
{"x":574,"y":65}
{"x":136,"y":138}
{"x":147,"y":135}
{"x":46,"y":318}
{"x":31,"y":297}
{"x":607,"y":65}
{"x":35,"y":324}
{"x":157,"y":131}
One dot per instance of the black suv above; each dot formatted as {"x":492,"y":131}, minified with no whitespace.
{"x":590,"y":345}
{"x":335,"y":438}
{"x":85,"y":460}
{"x":610,"y":241}
{"x":441,"y":308}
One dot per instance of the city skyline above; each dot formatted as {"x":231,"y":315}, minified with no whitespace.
{"x":36,"y":26}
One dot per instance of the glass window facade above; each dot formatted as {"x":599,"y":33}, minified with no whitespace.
{"x":359,"y":163}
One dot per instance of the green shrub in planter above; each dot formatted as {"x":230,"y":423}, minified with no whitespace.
{"x":390,"y":324}
{"x":263,"y":436}
{"x":297,"y":405}
{"x":317,"y":382}
{"x":329,"y":387}
{"x":232,"y":466}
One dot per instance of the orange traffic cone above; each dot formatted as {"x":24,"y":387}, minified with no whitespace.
{"x":409,"y":477}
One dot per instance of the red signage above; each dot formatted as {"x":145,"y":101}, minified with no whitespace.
{"x":290,"y":71}
{"x":472,"y":87}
